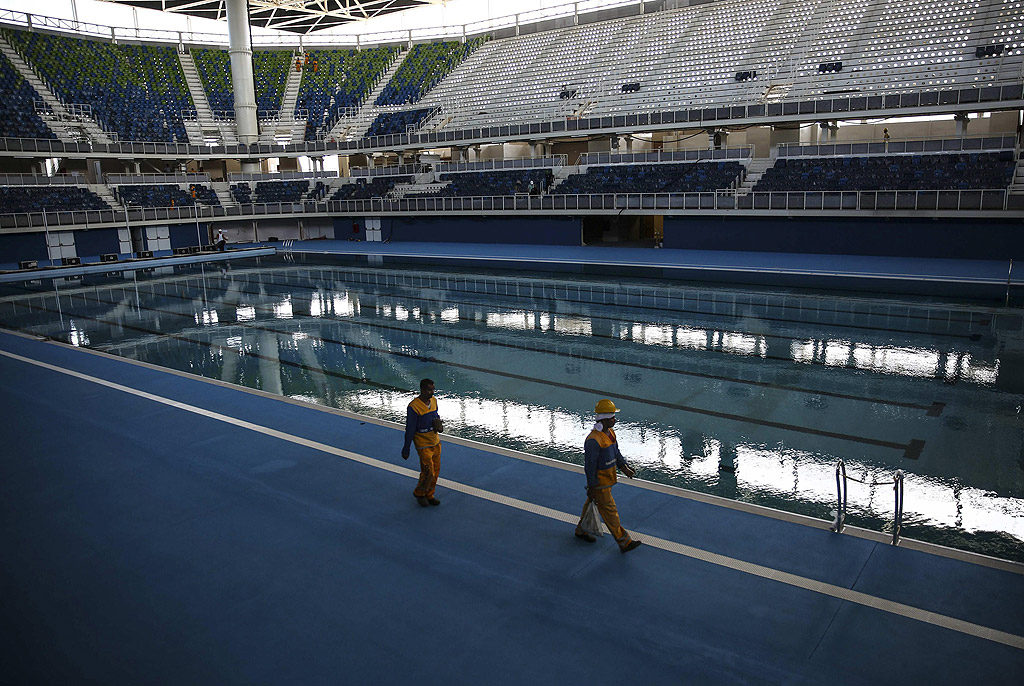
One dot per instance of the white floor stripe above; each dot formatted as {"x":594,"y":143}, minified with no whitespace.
{"x":831,"y":590}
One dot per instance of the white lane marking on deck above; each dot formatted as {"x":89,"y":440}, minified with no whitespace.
{"x":761,"y":571}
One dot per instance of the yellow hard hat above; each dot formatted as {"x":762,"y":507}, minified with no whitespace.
{"x":605,"y":406}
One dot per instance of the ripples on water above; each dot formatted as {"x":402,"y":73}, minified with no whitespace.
{"x":777,"y":385}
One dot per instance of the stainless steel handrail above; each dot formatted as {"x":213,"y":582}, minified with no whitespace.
{"x":839,"y":514}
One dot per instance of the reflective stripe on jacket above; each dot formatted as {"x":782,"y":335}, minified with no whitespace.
{"x":419,"y":424}
{"x":601,"y":457}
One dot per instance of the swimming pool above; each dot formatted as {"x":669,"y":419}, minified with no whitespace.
{"x":751,"y":394}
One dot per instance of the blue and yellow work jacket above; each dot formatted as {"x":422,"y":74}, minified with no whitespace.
{"x":601,"y":458}
{"x":419,"y":424}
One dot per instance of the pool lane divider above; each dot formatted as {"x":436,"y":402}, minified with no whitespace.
{"x":933,"y":410}
{"x":760,"y":571}
{"x":910,"y":450}
{"x":972,"y":337}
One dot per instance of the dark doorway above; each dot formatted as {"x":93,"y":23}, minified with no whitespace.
{"x":624,"y":231}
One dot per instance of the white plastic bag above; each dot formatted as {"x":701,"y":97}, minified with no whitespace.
{"x":591,"y":521}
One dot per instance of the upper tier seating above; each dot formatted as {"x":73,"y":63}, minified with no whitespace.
{"x":18,"y":118}
{"x":689,"y":58}
{"x":165,"y":195}
{"x":507,"y":182}
{"x":980,"y":170}
{"x":270,"y":72}
{"x":397,"y":122}
{"x":51,"y":198}
{"x":423,"y":68}
{"x":687,"y":177}
{"x":365,"y":189}
{"x":342,"y":79}
{"x":135,"y":91}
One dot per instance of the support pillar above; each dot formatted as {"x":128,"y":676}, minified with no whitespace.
{"x":240,"y":50}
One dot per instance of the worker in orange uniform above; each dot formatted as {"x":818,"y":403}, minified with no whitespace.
{"x":422,"y":426}
{"x":601,"y":459}
{"x":298,"y":64}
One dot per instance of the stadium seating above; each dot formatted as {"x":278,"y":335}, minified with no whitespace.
{"x":976,"y":170}
{"x":688,"y":58}
{"x":364,"y":189}
{"x":423,"y":68}
{"x":281,"y":191}
{"x":398,"y":122}
{"x":506,"y":182}
{"x":242,"y":193}
{"x":18,"y":118}
{"x":164,"y":195}
{"x":135,"y":91}
{"x":270,"y":72}
{"x":56,"y":198}
{"x":342,"y":79}
{"x":693,"y":177}
{"x":295,"y":190}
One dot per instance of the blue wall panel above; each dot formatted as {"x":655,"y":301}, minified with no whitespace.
{"x":518,"y":230}
{"x":897,"y":237}
{"x":184,"y":235}
{"x":95,"y":242}
{"x":22,"y":246}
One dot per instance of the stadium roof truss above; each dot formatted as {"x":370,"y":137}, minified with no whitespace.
{"x":297,"y":16}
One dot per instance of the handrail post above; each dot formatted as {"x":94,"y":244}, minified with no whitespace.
{"x":840,"y":514}
{"x":897,"y":522}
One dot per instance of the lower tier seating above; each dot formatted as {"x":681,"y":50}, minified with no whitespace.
{"x":364,"y":189}
{"x":689,"y":177}
{"x":165,"y":195}
{"x":956,"y":171}
{"x":14,"y":199}
{"x":510,"y":182}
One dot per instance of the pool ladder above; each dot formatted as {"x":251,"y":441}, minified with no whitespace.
{"x":839,"y":523}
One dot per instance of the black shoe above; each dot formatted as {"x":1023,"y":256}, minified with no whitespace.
{"x":422,"y":500}
{"x":589,"y":538}
{"x":630,"y":546}
{"x":434,"y":501}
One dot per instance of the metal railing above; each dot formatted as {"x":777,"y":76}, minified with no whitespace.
{"x":43,"y":180}
{"x":739,"y":152}
{"x":553,"y":203}
{"x":894,"y":147}
{"x":916,"y":200}
{"x":393,"y":170}
{"x":235,"y":177}
{"x":839,"y":514}
{"x":119,"y":179}
{"x":553,"y":161}
{"x":692,"y":118}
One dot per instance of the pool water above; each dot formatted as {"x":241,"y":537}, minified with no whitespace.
{"x":752,"y":394}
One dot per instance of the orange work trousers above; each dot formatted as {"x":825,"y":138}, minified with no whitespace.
{"x":430,"y":467}
{"x":609,"y":513}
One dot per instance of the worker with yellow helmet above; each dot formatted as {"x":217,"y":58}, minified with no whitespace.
{"x":601,"y":460}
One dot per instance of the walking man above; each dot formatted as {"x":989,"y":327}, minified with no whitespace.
{"x":601,"y":459}
{"x":422,"y":424}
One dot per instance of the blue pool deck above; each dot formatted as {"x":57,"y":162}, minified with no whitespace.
{"x":845,"y":270}
{"x":161,"y":528}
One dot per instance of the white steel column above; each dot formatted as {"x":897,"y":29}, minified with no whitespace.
{"x":240,"y":49}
